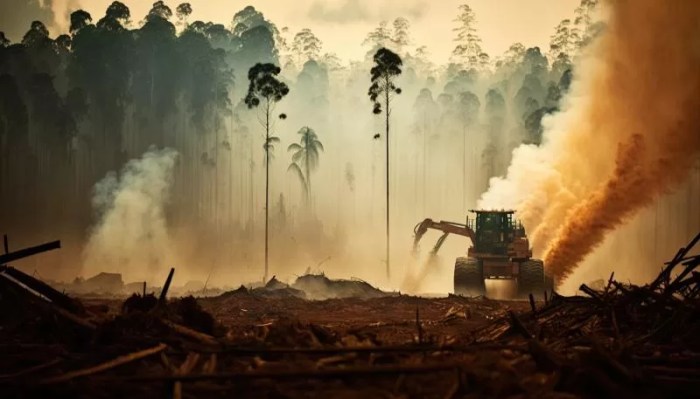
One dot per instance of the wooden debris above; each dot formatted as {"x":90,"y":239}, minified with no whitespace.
{"x":121,"y":360}
{"x":166,"y":287}
{"x":27,"y":252}
{"x":190,"y":333}
{"x":621,"y":340}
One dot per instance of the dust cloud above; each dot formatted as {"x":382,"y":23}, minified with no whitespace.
{"x":131,"y":235}
{"x":628,"y":133}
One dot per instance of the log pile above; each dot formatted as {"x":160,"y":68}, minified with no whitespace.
{"x":619,"y":341}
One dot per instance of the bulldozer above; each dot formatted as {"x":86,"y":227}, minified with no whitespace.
{"x":500,"y":250}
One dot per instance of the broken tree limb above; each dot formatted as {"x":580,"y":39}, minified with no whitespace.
{"x":131,"y":357}
{"x":680,"y":256}
{"x":75,"y":319}
{"x":190,"y":333}
{"x":610,"y":280}
{"x":30,"y":370}
{"x":43,"y":289}
{"x":590,"y":291}
{"x":185,"y":368}
{"x":678,"y":282}
{"x":34,"y":298}
{"x":166,"y":287}
{"x":27,"y":252}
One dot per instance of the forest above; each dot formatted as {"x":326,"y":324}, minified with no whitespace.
{"x":149,"y":141}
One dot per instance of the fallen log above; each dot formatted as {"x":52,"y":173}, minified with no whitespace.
{"x":131,"y":357}
{"x":190,"y":333}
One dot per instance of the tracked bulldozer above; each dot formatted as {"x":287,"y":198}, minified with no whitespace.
{"x":500,"y":250}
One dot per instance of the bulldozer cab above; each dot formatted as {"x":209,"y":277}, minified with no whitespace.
{"x":495,"y":231}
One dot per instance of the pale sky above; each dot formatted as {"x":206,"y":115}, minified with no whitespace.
{"x":343,"y":24}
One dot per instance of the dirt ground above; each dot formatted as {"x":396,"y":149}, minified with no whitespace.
{"x":286,"y":347}
{"x":616,"y":341}
{"x":374,"y":347}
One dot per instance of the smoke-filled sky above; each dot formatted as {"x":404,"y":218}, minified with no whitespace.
{"x":343,"y":24}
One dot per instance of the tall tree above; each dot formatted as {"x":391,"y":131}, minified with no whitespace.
{"x":495,"y":111}
{"x":14,"y":139}
{"x":468,"y":50}
{"x":37,"y":36}
{"x":564,"y":40}
{"x":306,"y":46}
{"x":421,"y":60}
{"x":156,"y":79}
{"x":78,"y":20}
{"x":387,"y":66}
{"x":468,"y":114}
{"x":514,"y":54}
{"x":586,"y":27}
{"x":266,"y":90}
{"x":160,"y":10}
{"x":257,"y":45}
{"x":306,"y":154}
{"x":183,"y":11}
{"x":101,"y":64}
{"x":246,"y":19}
{"x":378,"y":38}
{"x":425,"y":110}
{"x":331,"y":62}
{"x":116,"y":17}
{"x":401,"y":37}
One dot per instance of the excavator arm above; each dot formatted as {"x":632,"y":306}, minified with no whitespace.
{"x":446,"y":227}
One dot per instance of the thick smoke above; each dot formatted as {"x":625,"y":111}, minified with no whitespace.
{"x":629,"y":133}
{"x":131,"y":235}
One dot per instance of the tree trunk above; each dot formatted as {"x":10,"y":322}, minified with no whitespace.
{"x":388,"y":231}
{"x":267,"y":186}
{"x":464,"y":167}
{"x":308,"y":174}
{"x":425,"y":162}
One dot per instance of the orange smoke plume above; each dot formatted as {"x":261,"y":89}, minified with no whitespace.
{"x":651,"y":83}
{"x":628,"y":132}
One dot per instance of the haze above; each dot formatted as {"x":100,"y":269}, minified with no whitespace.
{"x":135,"y":141}
{"x":341,"y":24}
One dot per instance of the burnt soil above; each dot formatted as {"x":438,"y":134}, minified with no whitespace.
{"x":619,"y":341}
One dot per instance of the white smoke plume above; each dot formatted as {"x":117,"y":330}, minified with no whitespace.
{"x":131,"y":235}
{"x":629,"y":132}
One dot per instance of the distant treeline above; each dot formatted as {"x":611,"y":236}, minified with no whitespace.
{"x":74,"y":107}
